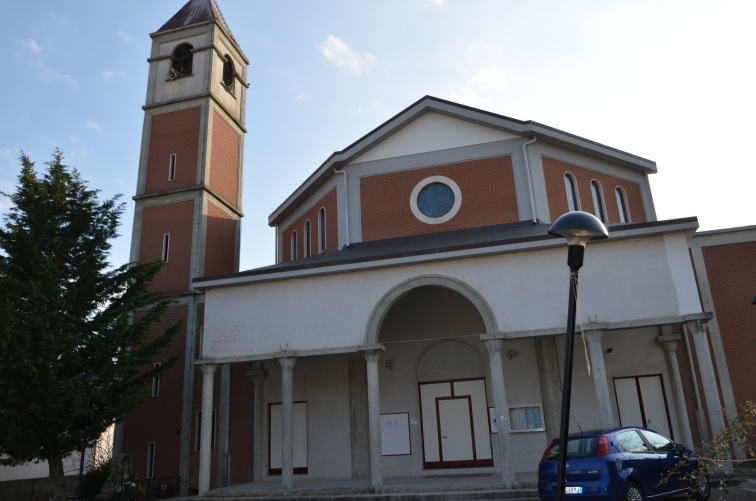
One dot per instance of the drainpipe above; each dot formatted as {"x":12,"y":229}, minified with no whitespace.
{"x":529,"y":176}
{"x":346,"y":205}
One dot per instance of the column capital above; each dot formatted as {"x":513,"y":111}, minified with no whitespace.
{"x":696,"y":326}
{"x":287,"y":362}
{"x":493,"y":346}
{"x":669,"y":342}
{"x":208,"y":369}
{"x":372,"y":355}
{"x":594,"y":335}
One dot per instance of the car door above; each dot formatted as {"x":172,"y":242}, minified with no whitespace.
{"x":641,"y":463}
{"x":670,"y":467}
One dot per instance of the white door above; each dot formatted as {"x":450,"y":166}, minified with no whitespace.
{"x":455,"y":424}
{"x":641,"y":402}
{"x":456,"y":433}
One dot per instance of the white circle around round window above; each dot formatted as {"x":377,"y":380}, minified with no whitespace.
{"x":435,"y":200}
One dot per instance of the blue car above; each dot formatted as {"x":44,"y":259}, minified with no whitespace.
{"x":622,"y":464}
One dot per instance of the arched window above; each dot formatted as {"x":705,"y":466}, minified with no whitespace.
{"x":307,"y":239}
{"x":181,"y":60}
{"x":228,"y":73}
{"x":624,"y":215}
{"x":572,"y":199}
{"x":294,"y":245}
{"x":321,"y":229}
{"x":598,"y":202}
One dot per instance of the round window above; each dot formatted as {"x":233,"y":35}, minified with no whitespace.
{"x":435,"y":200}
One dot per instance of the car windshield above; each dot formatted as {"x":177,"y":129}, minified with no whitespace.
{"x":577,"y":448}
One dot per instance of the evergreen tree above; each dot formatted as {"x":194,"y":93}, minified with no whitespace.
{"x":65,"y":312}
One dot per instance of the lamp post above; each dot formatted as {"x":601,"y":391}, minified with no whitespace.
{"x":89,"y":378}
{"x":578,"y":228}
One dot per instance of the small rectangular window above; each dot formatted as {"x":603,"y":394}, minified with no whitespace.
{"x":150,"y":460}
{"x":525,"y":418}
{"x":156,"y":383}
{"x":172,"y":168}
{"x":198,"y":428}
{"x":166,"y":246}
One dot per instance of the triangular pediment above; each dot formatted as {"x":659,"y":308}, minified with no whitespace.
{"x":431,"y":132}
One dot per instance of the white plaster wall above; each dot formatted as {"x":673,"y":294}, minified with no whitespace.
{"x":322,"y":382}
{"x":621,"y":281}
{"x":431,"y":132}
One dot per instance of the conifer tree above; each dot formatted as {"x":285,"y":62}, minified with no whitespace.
{"x":65,"y":312}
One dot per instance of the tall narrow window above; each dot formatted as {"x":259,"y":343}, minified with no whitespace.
{"x":622,"y":205}
{"x":166,"y":247}
{"x":321,"y":229}
{"x":181,"y":61}
{"x":307,"y":239}
{"x":172,"y":167}
{"x":294,"y":245}
{"x":228,"y":74}
{"x":150,"y":460}
{"x":572,"y":199}
{"x":598,"y":202}
{"x":156,"y":383}
{"x":198,"y":427}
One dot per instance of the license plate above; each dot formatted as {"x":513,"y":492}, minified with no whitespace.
{"x":573,"y":490}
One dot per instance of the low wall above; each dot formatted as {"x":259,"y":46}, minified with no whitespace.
{"x":35,"y":489}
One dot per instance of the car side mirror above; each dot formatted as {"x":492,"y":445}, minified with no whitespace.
{"x":680,"y":449}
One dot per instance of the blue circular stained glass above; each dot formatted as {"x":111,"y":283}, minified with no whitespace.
{"x":435,"y":200}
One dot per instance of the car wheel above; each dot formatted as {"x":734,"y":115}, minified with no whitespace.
{"x":702,"y":488}
{"x":632,"y":492}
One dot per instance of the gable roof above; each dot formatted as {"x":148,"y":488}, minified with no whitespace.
{"x":198,"y":12}
{"x":524,"y":128}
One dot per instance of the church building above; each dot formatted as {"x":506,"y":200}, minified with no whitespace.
{"x":413,"y":323}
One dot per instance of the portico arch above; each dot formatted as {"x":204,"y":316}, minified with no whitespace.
{"x":395,"y":294}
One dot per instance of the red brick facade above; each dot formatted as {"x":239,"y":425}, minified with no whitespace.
{"x":328,"y":202}
{"x":143,"y":426}
{"x":175,"y":219}
{"x":221,"y":242}
{"x":554,"y":171}
{"x":488,"y":198}
{"x":732,"y":278}
{"x":224,"y":160}
{"x":176,"y":133}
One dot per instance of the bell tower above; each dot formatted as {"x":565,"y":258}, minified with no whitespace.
{"x":187,"y":214}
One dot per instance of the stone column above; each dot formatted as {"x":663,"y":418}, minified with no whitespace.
{"x":258,"y":379}
{"x":708,"y":380}
{"x":374,"y":418}
{"x":551,"y":383}
{"x":496,"y":367}
{"x":287,"y":424}
{"x":668,"y":342}
{"x":206,"y":427}
{"x":600,"y":382}
{"x":223,"y":422}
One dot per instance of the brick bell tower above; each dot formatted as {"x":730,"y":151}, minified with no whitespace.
{"x":187,"y":214}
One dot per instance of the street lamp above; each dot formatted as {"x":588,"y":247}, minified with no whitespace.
{"x":577,"y":228}
{"x":89,"y":378}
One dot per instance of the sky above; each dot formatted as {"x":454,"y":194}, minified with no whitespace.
{"x":670,"y":81}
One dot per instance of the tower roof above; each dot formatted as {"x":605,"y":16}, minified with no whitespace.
{"x":196,"y":12}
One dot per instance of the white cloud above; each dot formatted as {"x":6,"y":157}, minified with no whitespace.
{"x":345,"y":58}
{"x":93,"y":125}
{"x":483,"y":89}
{"x":495,"y":77}
{"x":32,"y":46}
{"x":303,"y":97}
{"x":125,"y":37}
{"x":438,"y":3}
{"x":111,"y":75}
{"x":44,"y":72}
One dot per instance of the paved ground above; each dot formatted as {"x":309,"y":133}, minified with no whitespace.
{"x":741,"y":486}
